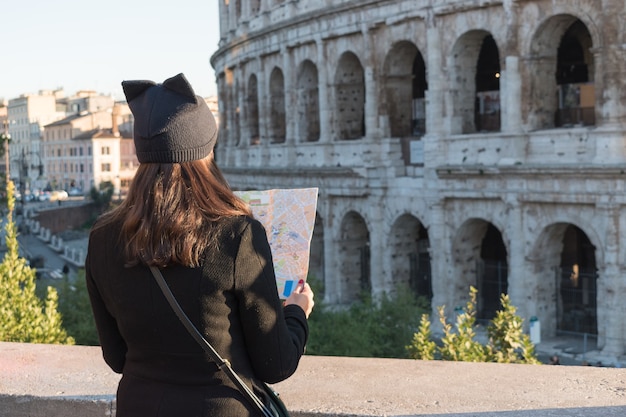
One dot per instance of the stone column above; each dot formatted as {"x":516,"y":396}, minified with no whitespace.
{"x":222,"y":149}
{"x":377,"y":247}
{"x":332,"y":237}
{"x":264,"y":111}
{"x":290,"y":95}
{"x":240,"y":130}
{"x":609,"y":59}
{"x":242,"y":88}
{"x":224,"y":21}
{"x":610,"y":314}
{"x":371,"y":88}
{"x":520,"y":286}
{"x":439,"y":259}
{"x":610,"y":287}
{"x":231,"y":107}
{"x":434,"y":98}
{"x":232,"y":17}
{"x":511,"y":96}
{"x":435,"y":93}
{"x":324,"y":100}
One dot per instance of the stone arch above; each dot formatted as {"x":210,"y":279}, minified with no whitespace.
{"x":410,"y":257}
{"x":481,"y":260}
{"x":465,"y":72}
{"x":354,"y":257}
{"x":565,"y":265}
{"x":404,"y":78}
{"x":252,"y":105}
{"x":350,"y":97}
{"x":560,"y":96}
{"x":308,"y":109}
{"x":277,"y":106}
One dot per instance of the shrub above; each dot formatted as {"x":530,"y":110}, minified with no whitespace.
{"x":507,"y":342}
{"x":366,"y":328}
{"x":75,"y":307}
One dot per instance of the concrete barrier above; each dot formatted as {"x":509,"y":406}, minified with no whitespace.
{"x":73,"y":381}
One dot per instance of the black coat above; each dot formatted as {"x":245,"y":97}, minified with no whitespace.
{"x":232,"y":298}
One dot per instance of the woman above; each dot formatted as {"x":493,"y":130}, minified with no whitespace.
{"x":181,"y":216}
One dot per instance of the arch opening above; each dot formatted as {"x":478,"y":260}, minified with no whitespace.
{"x":350,"y":97}
{"x":405,"y":90}
{"x":492,"y":274}
{"x":354,"y":255}
{"x":308,"y":109}
{"x":487,"y":104}
{"x":575,"y":89}
{"x":252,"y":104}
{"x":576,"y":284}
{"x":410,"y":257}
{"x":277,"y":107}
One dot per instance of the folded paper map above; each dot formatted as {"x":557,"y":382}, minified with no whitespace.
{"x":288,"y":217}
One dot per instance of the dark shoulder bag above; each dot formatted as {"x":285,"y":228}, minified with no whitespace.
{"x":276,"y":407}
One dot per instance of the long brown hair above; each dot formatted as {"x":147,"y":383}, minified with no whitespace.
{"x":172,"y":212}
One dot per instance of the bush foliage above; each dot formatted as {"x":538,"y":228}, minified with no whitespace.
{"x":75,"y":307}
{"x":367,"y":328}
{"x":507,"y":343}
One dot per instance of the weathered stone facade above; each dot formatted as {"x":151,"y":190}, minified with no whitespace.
{"x":454,"y":143}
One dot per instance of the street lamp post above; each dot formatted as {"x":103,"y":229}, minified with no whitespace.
{"x":23,"y":173}
{"x":6,"y":137}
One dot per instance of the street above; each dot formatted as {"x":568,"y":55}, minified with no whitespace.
{"x":32,"y":248}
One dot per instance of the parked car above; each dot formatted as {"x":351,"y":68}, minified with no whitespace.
{"x":58,"y":195}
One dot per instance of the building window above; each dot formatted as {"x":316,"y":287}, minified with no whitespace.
{"x":106,"y":150}
{"x":106,"y":167}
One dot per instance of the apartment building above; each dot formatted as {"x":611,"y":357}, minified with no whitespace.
{"x":89,"y":148}
{"x":454,"y":143}
{"x":26,"y":116}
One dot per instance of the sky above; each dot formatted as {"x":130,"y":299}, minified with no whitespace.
{"x":95,"y":45}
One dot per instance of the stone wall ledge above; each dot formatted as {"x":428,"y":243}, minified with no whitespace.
{"x":73,"y":381}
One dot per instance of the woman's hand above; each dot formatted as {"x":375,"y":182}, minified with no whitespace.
{"x":303,"y":297}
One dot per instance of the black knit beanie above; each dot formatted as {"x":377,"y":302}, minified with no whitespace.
{"x":172,"y":124}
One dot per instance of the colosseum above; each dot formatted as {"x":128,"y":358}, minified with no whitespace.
{"x":454,"y":144}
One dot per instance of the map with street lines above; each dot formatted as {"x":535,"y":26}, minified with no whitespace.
{"x":288,"y":216}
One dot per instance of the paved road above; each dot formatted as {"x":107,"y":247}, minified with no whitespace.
{"x":32,"y":247}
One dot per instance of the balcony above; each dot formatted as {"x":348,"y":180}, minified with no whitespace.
{"x":73,"y":381}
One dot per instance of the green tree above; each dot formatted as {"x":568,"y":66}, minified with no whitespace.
{"x":102,"y":195}
{"x":75,"y":307}
{"x":24,"y":317}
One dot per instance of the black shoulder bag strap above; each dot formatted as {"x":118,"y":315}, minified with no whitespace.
{"x":223,"y":364}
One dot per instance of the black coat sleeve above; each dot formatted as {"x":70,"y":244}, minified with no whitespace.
{"x":275,"y":336}
{"x":113,"y":345}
